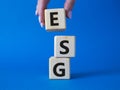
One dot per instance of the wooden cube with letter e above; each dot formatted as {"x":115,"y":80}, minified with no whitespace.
{"x":55,"y":19}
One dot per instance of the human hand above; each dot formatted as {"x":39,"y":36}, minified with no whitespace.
{"x":42,"y":5}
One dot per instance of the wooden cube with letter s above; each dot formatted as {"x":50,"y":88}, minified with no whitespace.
{"x":64,"y":46}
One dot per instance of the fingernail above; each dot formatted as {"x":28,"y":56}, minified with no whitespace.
{"x":41,"y":24}
{"x":39,"y":19}
{"x":36,"y":12}
{"x":70,"y":14}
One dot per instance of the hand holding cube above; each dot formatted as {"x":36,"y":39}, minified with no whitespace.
{"x":42,"y":5}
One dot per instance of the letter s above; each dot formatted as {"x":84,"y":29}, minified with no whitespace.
{"x":63,"y":46}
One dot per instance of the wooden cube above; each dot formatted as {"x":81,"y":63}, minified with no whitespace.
{"x":64,"y":46}
{"x":55,"y":19}
{"x":59,"y":68}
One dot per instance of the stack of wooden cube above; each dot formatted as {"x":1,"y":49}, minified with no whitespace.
{"x":64,"y":46}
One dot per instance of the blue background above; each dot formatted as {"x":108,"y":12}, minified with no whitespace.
{"x":25,"y":47}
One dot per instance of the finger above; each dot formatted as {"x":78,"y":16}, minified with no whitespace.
{"x":41,"y":6}
{"x":68,"y":7}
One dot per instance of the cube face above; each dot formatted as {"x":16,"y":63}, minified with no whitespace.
{"x":55,"y":19}
{"x":64,"y":46}
{"x":59,"y":68}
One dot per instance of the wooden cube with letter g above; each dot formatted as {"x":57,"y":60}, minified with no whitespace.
{"x":59,"y":68}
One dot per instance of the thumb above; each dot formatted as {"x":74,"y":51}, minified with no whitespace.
{"x":41,"y":6}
